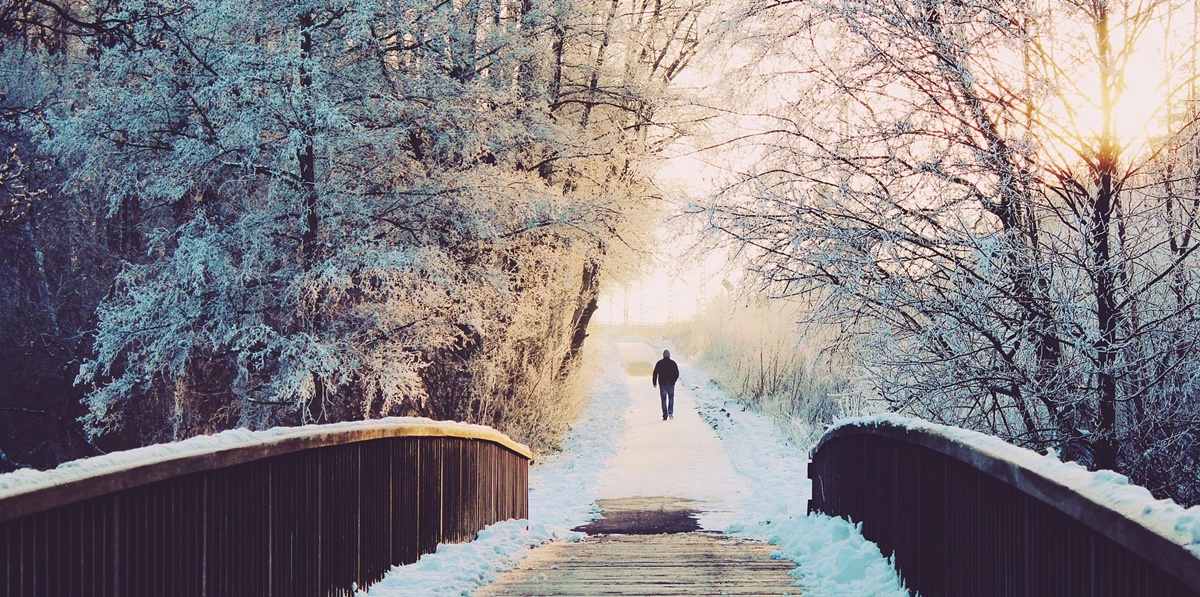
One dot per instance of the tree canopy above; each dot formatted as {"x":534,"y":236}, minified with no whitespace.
{"x":261,"y":213}
{"x":1000,"y":224}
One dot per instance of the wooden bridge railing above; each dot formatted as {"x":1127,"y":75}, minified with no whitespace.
{"x":963,"y":513}
{"x":306,"y":511}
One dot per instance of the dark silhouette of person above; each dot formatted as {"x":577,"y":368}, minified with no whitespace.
{"x":666,"y":373}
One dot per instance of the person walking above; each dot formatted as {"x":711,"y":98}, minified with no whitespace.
{"x":666,"y":373}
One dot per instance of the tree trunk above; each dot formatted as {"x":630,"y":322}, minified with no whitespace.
{"x":585,"y":307}
{"x":1107,"y":317}
{"x":305,"y":155}
{"x":306,"y":161}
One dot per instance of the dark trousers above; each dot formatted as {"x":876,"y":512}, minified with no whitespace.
{"x":667,"y":393}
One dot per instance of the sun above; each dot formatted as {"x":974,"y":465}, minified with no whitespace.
{"x":1152,"y":48}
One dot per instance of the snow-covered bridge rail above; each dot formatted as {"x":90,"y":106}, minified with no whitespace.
{"x":307,"y":511}
{"x":964,"y":513}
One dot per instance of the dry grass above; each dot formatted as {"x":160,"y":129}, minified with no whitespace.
{"x":758,"y":353}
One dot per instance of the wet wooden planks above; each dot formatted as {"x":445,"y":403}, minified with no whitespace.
{"x":649,"y":565}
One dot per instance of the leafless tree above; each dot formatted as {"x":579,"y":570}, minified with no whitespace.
{"x":949,"y":182}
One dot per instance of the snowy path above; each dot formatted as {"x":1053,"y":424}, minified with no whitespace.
{"x":744,"y":475}
{"x":680,"y":458}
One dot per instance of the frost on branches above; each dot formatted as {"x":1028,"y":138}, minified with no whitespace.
{"x":950,"y":186}
{"x":345,"y":210}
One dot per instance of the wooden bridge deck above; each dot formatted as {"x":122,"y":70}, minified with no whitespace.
{"x":649,"y":565}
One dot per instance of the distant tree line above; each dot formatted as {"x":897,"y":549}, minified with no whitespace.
{"x":221,"y":213}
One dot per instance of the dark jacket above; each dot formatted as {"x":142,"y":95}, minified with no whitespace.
{"x":666,"y":372}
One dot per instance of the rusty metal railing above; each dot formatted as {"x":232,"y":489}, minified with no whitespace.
{"x":308,"y":511}
{"x":965,"y":514}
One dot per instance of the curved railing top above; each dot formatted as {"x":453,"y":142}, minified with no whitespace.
{"x":27,"y":491}
{"x":1103,"y":500}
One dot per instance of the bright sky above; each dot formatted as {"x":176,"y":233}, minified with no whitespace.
{"x":675,"y":285}
{"x":669,"y":293}
{"x":678,"y":285}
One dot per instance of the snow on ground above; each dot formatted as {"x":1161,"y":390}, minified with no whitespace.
{"x":833,"y":558}
{"x":745,"y":476}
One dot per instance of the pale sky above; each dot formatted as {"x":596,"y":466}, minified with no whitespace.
{"x":674,"y":286}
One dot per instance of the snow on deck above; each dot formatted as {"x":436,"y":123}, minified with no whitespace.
{"x":746,"y":476}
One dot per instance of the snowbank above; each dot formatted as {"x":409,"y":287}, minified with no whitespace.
{"x":833,"y":557}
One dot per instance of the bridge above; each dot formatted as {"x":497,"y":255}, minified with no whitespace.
{"x":326,"y":510}
{"x":309,"y":511}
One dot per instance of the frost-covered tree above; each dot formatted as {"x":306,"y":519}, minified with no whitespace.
{"x":335,"y":210}
{"x":331,"y":173}
{"x":949,"y":182}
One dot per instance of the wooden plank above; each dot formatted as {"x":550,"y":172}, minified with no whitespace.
{"x":649,"y":566}
{"x":1015,"y":469}
{"x":67,"y":486}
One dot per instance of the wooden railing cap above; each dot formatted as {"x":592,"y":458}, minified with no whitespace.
{"x":27,"y":491}
{"x":1160,"y":530}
